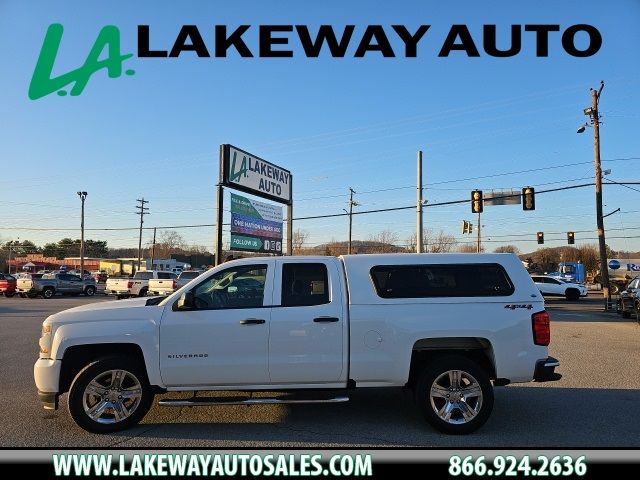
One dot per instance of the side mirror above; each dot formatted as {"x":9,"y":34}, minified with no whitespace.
{"x":186,"y":301}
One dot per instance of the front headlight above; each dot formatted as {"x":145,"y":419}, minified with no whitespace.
{"x":45,"y":341}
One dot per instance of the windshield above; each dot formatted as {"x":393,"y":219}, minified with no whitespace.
{"x":567,"y":269}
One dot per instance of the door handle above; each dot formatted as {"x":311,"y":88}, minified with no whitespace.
{"x":252,"y":321}
{"x":326,"y":319}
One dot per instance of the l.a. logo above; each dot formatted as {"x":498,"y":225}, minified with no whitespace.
{"x":42,"y":82}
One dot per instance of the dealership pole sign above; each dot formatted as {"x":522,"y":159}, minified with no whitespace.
{"x":249,"y":173}
{"x":255,"y":226}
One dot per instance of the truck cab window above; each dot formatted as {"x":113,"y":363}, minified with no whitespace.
{"x":237,"y":287}
{"x":304,"y":284}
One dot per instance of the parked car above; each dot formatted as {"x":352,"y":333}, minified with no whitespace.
{"x":629,"y":301}
{"x":26,"y":276}
{"x":51,"y":284}
{"x":138,"y":286}
{"x":168,"y":286}
{"x":7,"y":285}
{"x":449,"y":326}
{"x":556,"y":287}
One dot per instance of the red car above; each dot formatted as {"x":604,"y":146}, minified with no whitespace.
{"x":7,"y":285}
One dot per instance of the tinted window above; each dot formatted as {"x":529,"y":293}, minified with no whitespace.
{"x":536,"y":279}
{"x":552,"y":281}
{"x":420,"y":281}
{"x":165,"y":275}
{"x":237,"y":287}
{"x":189,"y":275}
{"x":304,"y":284}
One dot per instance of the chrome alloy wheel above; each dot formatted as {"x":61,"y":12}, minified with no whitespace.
{"x":456,"y":397}
{"x":112,"y":396}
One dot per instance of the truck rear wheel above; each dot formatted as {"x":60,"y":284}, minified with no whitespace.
{"x":109,"y":395}
{"x":454,"y":394}
{"x":143,"y":292}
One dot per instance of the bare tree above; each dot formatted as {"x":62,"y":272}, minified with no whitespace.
{"x":169,"y":242}
{"x":440,"y":242}
{"x":548,"y":259}
{"x":383,"y":242}
{"x":469,"y":248}
{"x":300,"y":237}
{"x":590,"y":257}
{"x":507,"y":249}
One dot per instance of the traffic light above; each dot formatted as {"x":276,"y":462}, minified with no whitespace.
{"x":476,"y":201}
{"x":528,"y":198}
{"x":540,"y":237}
{"x":465,"y":226}
{"x":571,"y":238}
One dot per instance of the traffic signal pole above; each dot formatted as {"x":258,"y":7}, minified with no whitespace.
{"x":419,"y":234}
{"x":479,"y":245}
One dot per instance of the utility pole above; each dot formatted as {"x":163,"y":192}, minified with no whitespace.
{"x":479,"y":245}
{"x":153,"y":247}
{"x":83,"y":196}
{"x":595,"y":121}
{"x":419,"y":234}
{"x":142,"y":211}
{"x":352,"y":204}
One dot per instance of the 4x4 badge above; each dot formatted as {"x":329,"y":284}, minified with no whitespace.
{"x":512,"y":306}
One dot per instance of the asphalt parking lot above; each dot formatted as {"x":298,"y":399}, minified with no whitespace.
{"x":595,"y":404}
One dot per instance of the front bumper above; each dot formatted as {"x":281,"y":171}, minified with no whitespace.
{"x":545,"y":370}
{"x":46,"y":373}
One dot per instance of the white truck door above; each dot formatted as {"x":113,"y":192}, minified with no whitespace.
{"x":223,"y":341}
{"x":307,"y":339}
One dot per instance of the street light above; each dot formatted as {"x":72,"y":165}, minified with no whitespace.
{"x":83,"y":196}
{"x":594,"y":117}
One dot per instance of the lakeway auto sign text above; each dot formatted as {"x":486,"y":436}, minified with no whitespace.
{"x":246,"y":172}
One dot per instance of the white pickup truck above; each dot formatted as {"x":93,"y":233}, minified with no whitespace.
{"x":137,"y":286}
{"x":165,"y":287}
{"x":448,"y":326}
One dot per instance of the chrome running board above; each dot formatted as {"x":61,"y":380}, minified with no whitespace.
{"x":221,"y":401}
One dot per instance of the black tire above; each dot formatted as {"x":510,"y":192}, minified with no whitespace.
{"x":48,"y":292}
{"x":9,"y":294}
{"x":626,"y":314}
{"x":438,"y":369}
{"x":93,"y":371}
{"x":143,"y":292}
{"x":23,"y":295}
{"x":90,"y":291}
{"x":572,"y":294}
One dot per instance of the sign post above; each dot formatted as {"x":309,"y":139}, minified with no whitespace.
{"x":246,"y":172}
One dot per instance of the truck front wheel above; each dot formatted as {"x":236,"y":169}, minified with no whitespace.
{"x":454,"y":394}
{"x":48,"y":292}
{"x":109,"y":395}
